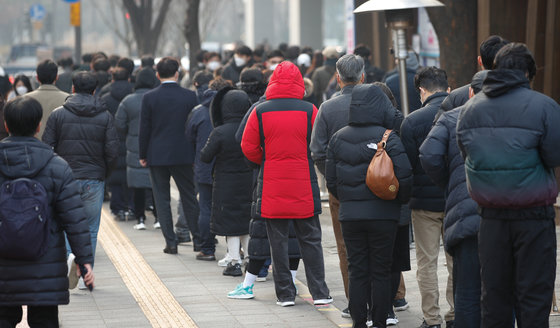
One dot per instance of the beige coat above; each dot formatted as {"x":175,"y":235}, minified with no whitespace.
{"x":50,"y":98}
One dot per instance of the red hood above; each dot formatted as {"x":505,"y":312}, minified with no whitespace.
{"x":285,"y":82}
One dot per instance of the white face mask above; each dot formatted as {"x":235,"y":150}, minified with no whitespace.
{"x":239,"y":61}
{"x":272,"y":67}
{"x":21,"y":90}
{"x":213,"y":65}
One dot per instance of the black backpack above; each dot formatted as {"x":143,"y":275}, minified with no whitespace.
{"x":24,"y":219}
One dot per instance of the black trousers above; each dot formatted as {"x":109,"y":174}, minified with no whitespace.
{"x":518,"y":268}
{"x":184,"y":178}
{"x":37,"y":316}
{"x":369,"y":245}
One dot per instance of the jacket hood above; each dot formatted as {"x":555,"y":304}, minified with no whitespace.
{"x":285,"y":82}
{"x":229,"y":105}
{"x":500,"y":81}
{"x":120,"y":89}
{"x":23,"y":156}
{"x":207,"y":96}
{"x":369,"y":105}
{"x":83,"y":104}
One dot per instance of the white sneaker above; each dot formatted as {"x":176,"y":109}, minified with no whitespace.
{"x":157,"y":226}
{"x":261,"y":279}
{"x":81,"y":284}
{"x":286,"y":303}
{"x":225,"y":261}
{"x":140,"y":226}
{"x":392,"y":320}
{"x":323,"y":301}
{"x":72,"y":272}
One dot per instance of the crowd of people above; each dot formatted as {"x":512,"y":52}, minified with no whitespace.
{"x":243,"y":138}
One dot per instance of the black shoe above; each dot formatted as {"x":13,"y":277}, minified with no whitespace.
{"x":346,"y":313}
{"x":425,"y":325}
{"x":400,"y":305}
{"x":233,"y":270}
{"x":181,"y":240}
{"x":170,"y":250}
{"x":205,"y":257}
{"x":450,"y":324}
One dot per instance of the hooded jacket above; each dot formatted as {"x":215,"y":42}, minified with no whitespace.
{"x":118,"y":90}
{"x":414,"y":129}
{"x":232,"y":71}
{"x":44,"y":282}
{"x":82,"y":132}
{"x":392,"y":81}
{"x":199,"y":127}
{"x":277,"y":138}
{"x":508,"y":135}
{"x":350,"y":151}
{"x":233,"y":179}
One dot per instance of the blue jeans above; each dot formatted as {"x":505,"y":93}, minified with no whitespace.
{"x":91,"y":192}
{"x":466,"y":284}
{"x":205,"y":205}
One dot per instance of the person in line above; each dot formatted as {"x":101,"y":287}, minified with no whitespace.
{"x":167,"y":151}
{"x":277,"y":138}
{"x":323,"y":75}
{"x":127,"y":120}
{"x":442,"y":162}
{"x":508,"y":136}
{"x":41,"y":284}
{"x":369,"y":224}
{"x":82,"y":132}
{"x":232,"y":178}
{"x":242,"y":58}
{"x":48,"y":95}
{"x":427,"y":202}
{"x":21,"y":86}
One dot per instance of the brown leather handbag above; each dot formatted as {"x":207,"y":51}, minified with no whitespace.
{"x":380,"y":176}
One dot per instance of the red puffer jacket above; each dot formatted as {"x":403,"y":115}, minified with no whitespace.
{"x":277,"y":138}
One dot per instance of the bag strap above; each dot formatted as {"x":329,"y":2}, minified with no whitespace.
{"x":383,"y":141}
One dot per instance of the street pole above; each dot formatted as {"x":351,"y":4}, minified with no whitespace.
{"x":77,"y":44}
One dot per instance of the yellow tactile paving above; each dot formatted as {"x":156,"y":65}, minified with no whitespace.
{"x":155,"y":300}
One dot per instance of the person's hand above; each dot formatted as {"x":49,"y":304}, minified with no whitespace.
{"x":143,"y":162}
{"x":88,"y":278}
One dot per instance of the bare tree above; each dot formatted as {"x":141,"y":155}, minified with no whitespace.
{"x":455,"y":26}
{"x":121,"y":27}
{"x":146,"y":30}
{"x":192,"y":31}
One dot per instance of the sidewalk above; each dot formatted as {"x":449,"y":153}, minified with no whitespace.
{"x":200,"y":289}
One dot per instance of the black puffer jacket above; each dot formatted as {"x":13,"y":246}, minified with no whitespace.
{"x":127,"y":120}
{"x":414,"y":129}
{"x":199,"y":127}
{"x":117,"y":91}
{"x":82,"y":132}
{"x":233,"y":179}
{"x":509,"y":137}
{"x":350,"y":151}
{"x":442,"y":162}
{"x":44,"y":282}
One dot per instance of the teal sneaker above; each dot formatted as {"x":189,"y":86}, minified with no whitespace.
{"x":242,"y":293}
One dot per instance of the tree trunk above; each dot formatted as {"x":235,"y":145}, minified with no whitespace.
{"x":141,"y":15}
{"x":456,"y":26}
{"x":192,"y":31}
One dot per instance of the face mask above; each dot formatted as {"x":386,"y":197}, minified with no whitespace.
{"x":21,"y":90}
{"x":273,"y":67}
{"x":239,"y":61}
{"x":213,"y":65}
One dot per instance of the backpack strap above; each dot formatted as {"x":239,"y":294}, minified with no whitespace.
{"x":385,"y":137}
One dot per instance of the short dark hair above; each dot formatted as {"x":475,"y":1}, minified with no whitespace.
{"x":244,"y":50}
{"x":431,"y":78}
{"x":219,"y":83}
{"x":167,"y":67}
{"x":86,"y":58}
{"x":101,"y":64}
{"x":203,"y":77}
{"x":211,"y":54}
{"x":84,"y":82}
{"x":22,"y":116}
{"x":47,"y":72}
{"x":66,"y":62}
{"x":292,"y":52}
{"x":489,"y":48}
{"x":516,"y":56}
{"x":120,"y":74}
{"x":127,"y":64}
{"x":275,"y":53}
{"x":362,"y":50}
{"x":113,"y":60}
{"x":147,"y":61}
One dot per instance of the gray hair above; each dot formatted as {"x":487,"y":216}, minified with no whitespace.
{"x":350,"y":68}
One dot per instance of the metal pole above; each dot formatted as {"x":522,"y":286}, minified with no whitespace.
{"x":78,"y":44}
{"x":401,"y":53}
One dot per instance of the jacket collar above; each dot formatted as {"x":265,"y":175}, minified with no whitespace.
{"x":435,"y":97}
